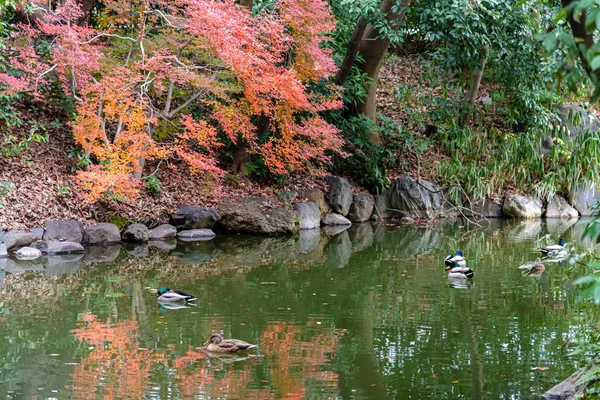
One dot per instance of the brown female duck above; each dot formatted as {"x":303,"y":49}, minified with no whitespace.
{"x":216,"y":344}
{"x":535,"y":269}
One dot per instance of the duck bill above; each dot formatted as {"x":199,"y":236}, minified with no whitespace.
{"x":206,"y":343}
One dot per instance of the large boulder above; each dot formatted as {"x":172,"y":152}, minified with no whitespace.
{"x":17,"y":239}
{"x":67,"y":230}
{"x":585,"y":198}
{"x":64,"y":248}
{"x":559,"y":208}
{"x":257,"y":215}
{"x":361,"y":208}
{"x":309,"y":215}
{"x":3,"y":249}
{"x":316,"y":196}
{"x":335,"y":219}
{"x":382,"y":207}
{"x":487,"y":208}
{"x":194,"y":235}
{"x":340,"y":194}
{"x":516,"y":206}
{"x":162,"y":232}
{"x":416,"y":200}
{"x":192,"y":217}
{"x":136,"y":233}
{"x":101,"y":234}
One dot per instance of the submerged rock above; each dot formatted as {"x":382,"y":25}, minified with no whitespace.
{"x":308,"y":240}
{"x":192,"y":217}
{"x":28,"y":253}
{"x":316,"y":196}
{"x":309,"y":215}
{"x":411,"y":199}
{"x":361,"y":208}
{"x":257,"y":215}
{"x":559,"y":208}
{"x":335,"y":219}
{"x":332,"y":230}
{"x":63,"y":264}
{"x":340,"y":194}
{"x":361,"y":235}
{"x":517,"y":206}
{"x":65,"y":230}
{"x":17,"y":239}
{"x":164,"y":245}
{"x":137,"y":250}
{"x":338,"y":251}
{"x":136,"y":233}
{"x":193,"y":235}
{"x":101,"y":234}
{"x":96,"y":254}
{"x":161,"y":232}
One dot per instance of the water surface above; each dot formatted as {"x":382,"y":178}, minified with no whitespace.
{"x":367,"y":313}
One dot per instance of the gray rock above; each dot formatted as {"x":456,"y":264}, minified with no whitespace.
{"x":194,"y":235}
{"x":98,"y":254}
{"x":64,"y":248}
{"x":559,"y":208}
{"x":309,"y":215}
{"x":316,"y":196}
{"x":161,"y":232}
{"x":136,"y":233}
{"x":67,"y":230}
{"x":332,"y":230}
{"x":487,"y":208}
{"x":338,"y":251}
{"x":340,"y":194}
{"x":40,"y":245}
{"x":101,"y":234}
{"x":192,"y":217}
{"x":38,"y":232}
{"x":575,"y":120}
{"x":516,"y":206}
{"x":28,"y":253}
{"x":3,"y":250}
{"x":63,"y":264}
{"x":17,"y":239}
{"x":257,"y":215}
{"x":382,"y":207}
{"x":411,"y":199}
{"x":286,"y":196}
{"x":361,"y":208}
{"x":164,"y":245}
{"x":2,"y":238}
{"x":308,"y":241}
{"x":335,"y":219}
{"x":137,"y":250}
{"x":585,"y":198}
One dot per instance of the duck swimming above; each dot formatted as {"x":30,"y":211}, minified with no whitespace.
{"x":535,"y":268}
{"x":456,"y":271}
{"x":455,"y":259}
{"x":216,"y":344}
{"x":555,"y":250}
{"x":165,"y":294}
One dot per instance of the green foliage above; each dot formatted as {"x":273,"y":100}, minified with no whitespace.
{"x":81,"y":158}
{"x":153,"y":185}
{"x":118,"y":220}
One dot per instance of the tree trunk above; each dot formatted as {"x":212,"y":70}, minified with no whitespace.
{"x":477,"y":74}
{"x":582,"y":37}
{"x":351,"y":52}
{"x":246,"y":3}
{"x":240,"y":158}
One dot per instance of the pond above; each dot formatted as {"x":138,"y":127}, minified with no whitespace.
{"x":367,"y":313}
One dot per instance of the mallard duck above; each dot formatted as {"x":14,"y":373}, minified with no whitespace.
{"x":534,"y":268}
{"x":555,"y":250}
{"x":216,"y":344}
{"x":165,"y":294}
{"x":456,"y":271}
{"x":455,"y":259}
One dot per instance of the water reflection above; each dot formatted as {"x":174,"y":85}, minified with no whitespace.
{"x":366,"y":312}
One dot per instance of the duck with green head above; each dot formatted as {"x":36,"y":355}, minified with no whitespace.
{"x":555,"y":250}
{"x":457,"y":259}
{"x":165,"y":294}
{"x":216,"y":344}
{"x":456,"y":271}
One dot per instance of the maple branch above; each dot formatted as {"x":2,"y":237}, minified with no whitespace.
{"x":48,"y":71}
{"x":185,"y":104}
{"x":163,"y":16}
{"x":109,"y":35}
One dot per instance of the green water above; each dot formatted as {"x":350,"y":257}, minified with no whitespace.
{"x":367,"y":313}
